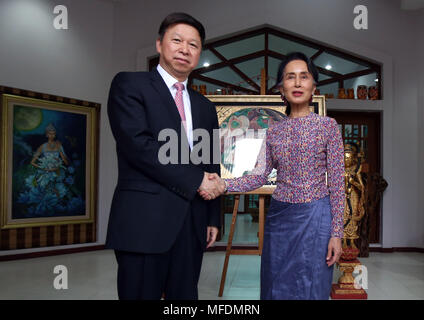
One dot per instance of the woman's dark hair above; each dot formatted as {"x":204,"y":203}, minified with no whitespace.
{"x":291,"y":57}
{"x":181,"y":17}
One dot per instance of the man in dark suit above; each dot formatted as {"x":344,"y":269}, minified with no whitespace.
{"x":159,"y":226}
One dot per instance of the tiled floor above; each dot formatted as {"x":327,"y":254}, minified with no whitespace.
{"x":245,"y":232}
{"x":92,"y":275}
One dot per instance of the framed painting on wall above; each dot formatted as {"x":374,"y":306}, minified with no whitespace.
{"x":49,"y":153}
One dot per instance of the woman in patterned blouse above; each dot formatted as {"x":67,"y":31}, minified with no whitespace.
{"x":304,"y":223}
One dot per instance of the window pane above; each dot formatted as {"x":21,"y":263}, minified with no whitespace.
{"x":348,"y":130}
{"x":285,"y":46}
{"x":356,"y":130}
{"x":207,"y":57}
{"x":252,"y":69}
{"x":242,"y":47}
{"x":338,"y":64}
{"x":273,"y":65}
{"x":364,"y":131}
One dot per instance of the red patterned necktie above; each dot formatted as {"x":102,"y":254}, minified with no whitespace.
{"x":179,"y":102}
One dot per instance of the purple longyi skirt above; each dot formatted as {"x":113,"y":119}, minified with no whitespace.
{"x":293,"y":262}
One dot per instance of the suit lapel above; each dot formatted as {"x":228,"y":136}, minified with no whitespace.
{"x":165,"y":95}
{"x":169,"y":102}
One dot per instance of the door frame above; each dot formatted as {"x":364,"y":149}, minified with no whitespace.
{"x":378,"y":115}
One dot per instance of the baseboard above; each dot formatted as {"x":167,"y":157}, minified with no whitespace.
{"x":40,"y":254}
{"x":215,"y":248}
{"x":396,"y":249}
{"x":221,"y":247}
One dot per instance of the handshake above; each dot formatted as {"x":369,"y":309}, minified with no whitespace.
{"x":212,"y":186}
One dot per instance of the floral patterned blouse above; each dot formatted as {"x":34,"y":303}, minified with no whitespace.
{"x":302,"y":150}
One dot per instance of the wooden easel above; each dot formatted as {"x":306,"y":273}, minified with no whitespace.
{"x":262,"y":192}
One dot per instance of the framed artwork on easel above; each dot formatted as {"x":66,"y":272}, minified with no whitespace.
{"x":243,"y":121}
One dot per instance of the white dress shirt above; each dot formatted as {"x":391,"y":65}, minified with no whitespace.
{"x":170,"y":81}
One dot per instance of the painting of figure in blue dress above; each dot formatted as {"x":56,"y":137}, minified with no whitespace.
{"x":49,"y":151}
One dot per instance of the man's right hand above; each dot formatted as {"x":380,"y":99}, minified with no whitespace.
{"x":212,"y":186}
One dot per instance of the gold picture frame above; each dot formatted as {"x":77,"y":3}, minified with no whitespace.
{"x":47,"y":180}
{"x":253,"y":112}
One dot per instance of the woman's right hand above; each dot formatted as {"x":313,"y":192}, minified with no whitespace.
{"x":220,"y":181}
{"x":221,"y":186}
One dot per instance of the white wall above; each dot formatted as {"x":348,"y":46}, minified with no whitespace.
{"x":420,"y":147}
{"x":73,"y":63}
{"x":105,"y":38}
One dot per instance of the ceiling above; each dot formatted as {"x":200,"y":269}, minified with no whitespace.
{"x":405,"y":4}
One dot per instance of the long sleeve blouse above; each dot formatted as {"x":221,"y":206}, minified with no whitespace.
{"x":302,"y":150}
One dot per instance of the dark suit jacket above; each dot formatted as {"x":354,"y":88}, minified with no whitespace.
{"x":151,"y":200}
